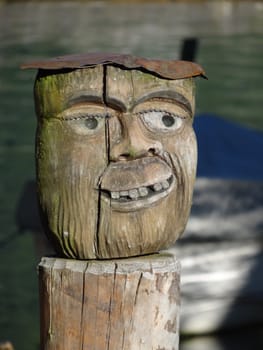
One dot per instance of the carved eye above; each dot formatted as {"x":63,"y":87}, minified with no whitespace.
{"x":86,"y":124}
{"x":157,"y":120}
{"x":168,"y":120}
{"x":91,"y":123}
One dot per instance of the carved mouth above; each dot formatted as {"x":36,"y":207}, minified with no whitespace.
{"x":136,"y":184}
{"x":142,"y":197}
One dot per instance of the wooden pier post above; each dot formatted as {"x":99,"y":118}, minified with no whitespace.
{"x":124,"y":304}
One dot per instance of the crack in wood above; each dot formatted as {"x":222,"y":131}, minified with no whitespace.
{"x":96,"y":241}
{"x":137,"y":289}
{"x":107,"y":146}
{"x":111,"y":306}
{"x":82,"y":329}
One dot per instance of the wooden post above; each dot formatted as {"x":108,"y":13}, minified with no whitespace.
{"x":129,"y":304}
{"x":116,"y":162}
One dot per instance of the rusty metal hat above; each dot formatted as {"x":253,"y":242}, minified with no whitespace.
{"x":169,"y":69}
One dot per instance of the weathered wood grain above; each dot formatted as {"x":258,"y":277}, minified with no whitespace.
{"x":116,"y":160}
{"x":130,"y":304}
{"x":68,"y":162}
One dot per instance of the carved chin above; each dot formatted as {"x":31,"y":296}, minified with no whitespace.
{"x":137,"y":184}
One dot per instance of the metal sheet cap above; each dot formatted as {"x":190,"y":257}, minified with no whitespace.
{"x":169,"y":69}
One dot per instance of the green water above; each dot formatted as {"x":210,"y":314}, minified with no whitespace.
{"x":230,"y":50}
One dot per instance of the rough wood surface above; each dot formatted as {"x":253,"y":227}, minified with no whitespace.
{"x":67,"y":186}
{"x":129,"y":304}
{"x":144,"y":154}
{"x":116,"y":160}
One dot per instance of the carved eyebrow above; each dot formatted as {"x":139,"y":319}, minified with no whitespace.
{"x":110,"y":102}
{"x":119,"y":105}
{"x":168,"y":95}
{"x":74,"y":100}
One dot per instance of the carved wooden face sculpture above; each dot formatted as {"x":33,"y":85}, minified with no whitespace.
{"x":116,"y":159}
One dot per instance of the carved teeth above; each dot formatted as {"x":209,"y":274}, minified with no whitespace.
{"x":124,"y":193}
{"x":115,"y":195}
{"x":165,"y":184}
{"x":157,"y":187}
{"x":133,"y":194}
{"x":143,"y":191}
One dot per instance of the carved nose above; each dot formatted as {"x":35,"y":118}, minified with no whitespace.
{"x":133,"y":143}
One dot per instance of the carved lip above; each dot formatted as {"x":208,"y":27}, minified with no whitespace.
{"x":136,"y":184}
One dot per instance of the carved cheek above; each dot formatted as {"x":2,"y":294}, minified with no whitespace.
{"x":182,"y":146}
{"x":69,"y":169}
{"x":83,"y":156}
{"x":180,"y":152}
{"x":187,"y":151}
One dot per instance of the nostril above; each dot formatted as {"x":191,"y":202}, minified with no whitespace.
{"x":152,"y":151}
{"x":124,"y":156}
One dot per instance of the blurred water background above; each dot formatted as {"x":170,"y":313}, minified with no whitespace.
{"x":230,"y":49}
